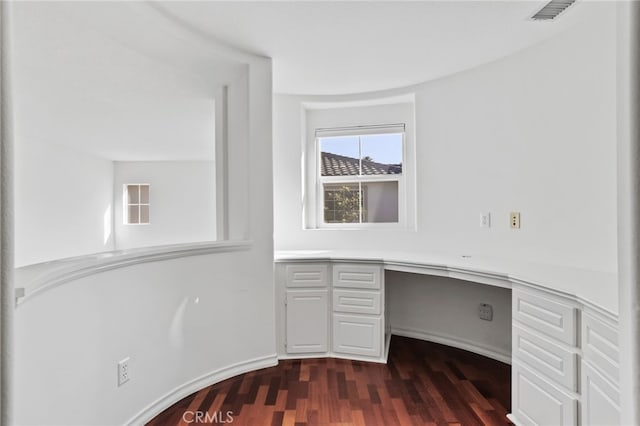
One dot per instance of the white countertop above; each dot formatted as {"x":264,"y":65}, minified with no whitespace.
{"x":596,"y":288}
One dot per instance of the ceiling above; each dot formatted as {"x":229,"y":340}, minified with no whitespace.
{"x":136,"y":80}
{"x":326,"y":47}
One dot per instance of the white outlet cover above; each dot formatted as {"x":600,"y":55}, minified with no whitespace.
{"x":485,"y":220}
{"x":123,"y":371}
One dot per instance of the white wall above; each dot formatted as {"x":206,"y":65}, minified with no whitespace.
{"x":88,"y":90}
{"x":451,"y":317}
{"x":179,"y":320}
{"x":63,"y":202}
{"x":182,"y":202}
{"x":533,"y":132}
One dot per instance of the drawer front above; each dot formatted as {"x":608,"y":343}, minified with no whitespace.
{"x":600,"y":398}
{"x":357,"y":276}
{"x":552,"y":360}
{"x":357,"y":335}
{"x":546,"y":315}
{"x":538,"y":402}
{"x":307,"y":275}
{"x":357,"y":301}
{"x":600,"y":346}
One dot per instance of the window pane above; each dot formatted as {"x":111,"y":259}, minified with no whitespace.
{"x":380,"y":202}
{"x":132,"y":194}
{"x":341,"y":203}
{"x":133,"y":215}
{"x":144,"y":214}
{"x":339,"y":156}
{"x":381,"y":154}
{"x":144,"y":194}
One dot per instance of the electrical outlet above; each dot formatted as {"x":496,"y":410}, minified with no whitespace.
{"x":485,"y":220}
{"x":123,"y":371}
{"x":514,"y":220}
{"x":485,"y":312}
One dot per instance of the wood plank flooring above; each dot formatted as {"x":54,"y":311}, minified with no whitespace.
{"x":423,"y":383}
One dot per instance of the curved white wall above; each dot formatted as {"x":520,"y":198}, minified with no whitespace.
{"x":534,"y":132}
{"x":184,"y":323}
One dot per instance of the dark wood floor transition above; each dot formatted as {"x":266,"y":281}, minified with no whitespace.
{"x":423,"y":383}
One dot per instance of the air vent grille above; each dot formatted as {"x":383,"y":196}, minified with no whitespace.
{"x":552,"y":9}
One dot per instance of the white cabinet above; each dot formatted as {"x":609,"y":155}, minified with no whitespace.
{"x":357,"y":301}
{"x":546,"y":314}
{"x":354,"y":275}
{"x":600,"y":344}
{"x":306,"y":313}
{"x":600,"y":398}
{"x":564,"y":360}
{"x":357,"y":335}
{"x":537,"y":401}
{"x":357,"y":310}
{"x":545,"y":359}
{"x":307,"y":321}
{"x":334,"y":308}
{"x":304,"y":275}
{"x":600,"y":370}
{"x":554,"y":361}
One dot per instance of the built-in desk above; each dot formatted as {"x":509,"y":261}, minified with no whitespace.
{"x":564,"y":353}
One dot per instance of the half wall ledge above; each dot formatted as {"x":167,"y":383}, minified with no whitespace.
{"x":33,"y":280}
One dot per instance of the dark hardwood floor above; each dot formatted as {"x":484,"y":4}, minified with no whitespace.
{"x":423,"y":383}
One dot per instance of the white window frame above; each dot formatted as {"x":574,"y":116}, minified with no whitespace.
{"x":366,"y":130}
{"x":126,"y":204}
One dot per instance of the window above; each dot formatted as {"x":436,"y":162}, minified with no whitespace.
{"x":360,"y":174}
{"x":136,"y":204}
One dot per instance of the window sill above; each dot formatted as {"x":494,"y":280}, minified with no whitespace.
{"x":363,"y":227}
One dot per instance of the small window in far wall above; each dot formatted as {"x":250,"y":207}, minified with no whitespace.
{"x":136,"y":203}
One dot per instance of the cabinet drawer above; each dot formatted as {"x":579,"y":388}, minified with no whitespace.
{"x":546,"y":315}
{"x":600,"y":398}
{"x":357,"y":335}
{"x":538,"y":402}
{"x":307,"y":275}
{"x":357,"y":301}
{"x":600,"y":346}
{"x":554,"y":361}
{"x":357,"y":276}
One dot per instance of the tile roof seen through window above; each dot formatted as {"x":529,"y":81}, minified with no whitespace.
{"x":339,"y":165}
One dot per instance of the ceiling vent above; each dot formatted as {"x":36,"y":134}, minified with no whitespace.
{"x":552,"y":9}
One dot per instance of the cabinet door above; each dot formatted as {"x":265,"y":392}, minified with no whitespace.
{"x":357,"y":335}
{"x":600,"y":398}
{"x":307,"y":314}
{"x":538,"y":402}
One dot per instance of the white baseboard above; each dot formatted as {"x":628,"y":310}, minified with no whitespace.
{"x":456,"y":342}
{"x":201,"y":382}
{"x":513,"y":419}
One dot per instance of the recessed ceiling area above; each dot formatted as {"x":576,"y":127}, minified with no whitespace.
{"x":135,"y":81}
{"x":325,"y":47}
